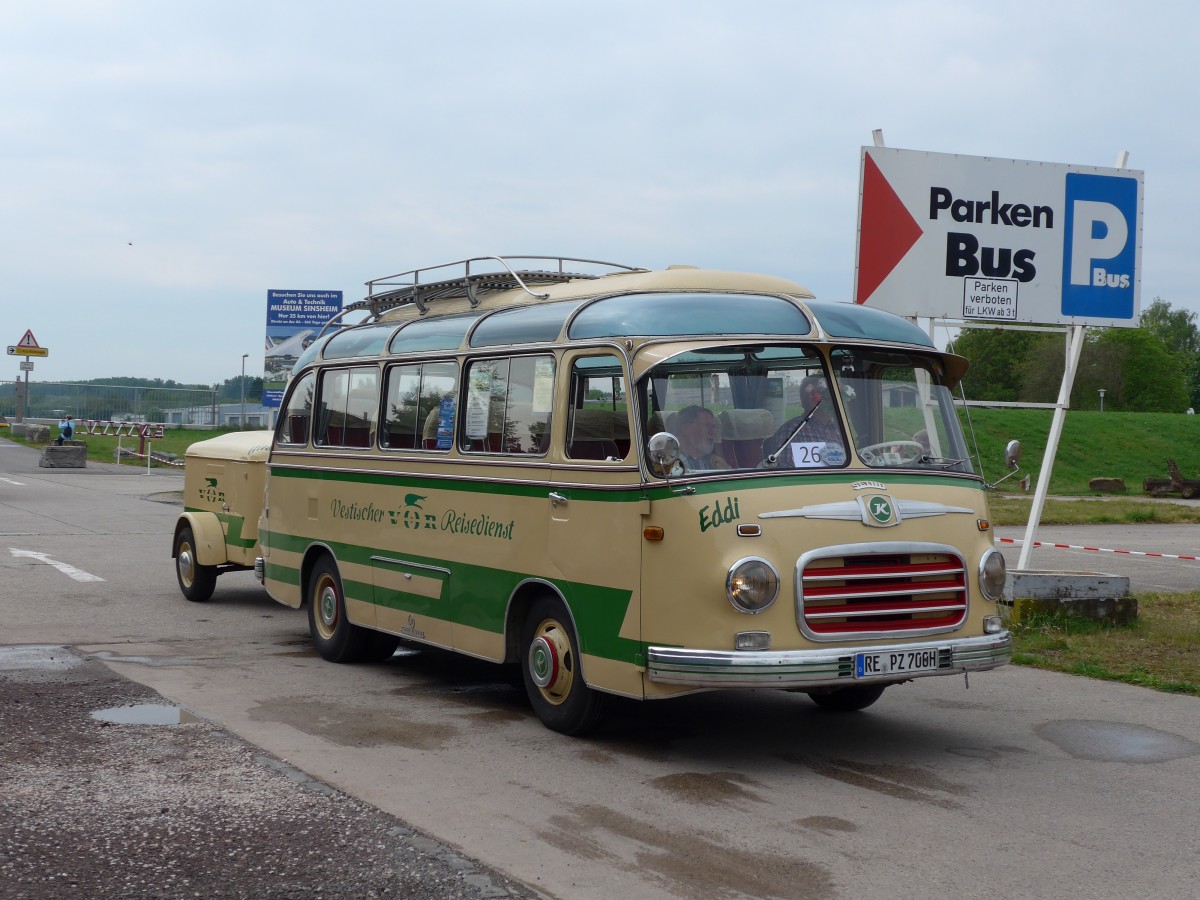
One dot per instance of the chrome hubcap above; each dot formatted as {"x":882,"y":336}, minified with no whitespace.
{"x":187,"y":569}
{"x":328,"y":606}
{"x":543,"y":662}
{"x":551,"y":667}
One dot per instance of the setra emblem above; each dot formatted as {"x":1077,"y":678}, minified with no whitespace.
{"x":878,"y":510}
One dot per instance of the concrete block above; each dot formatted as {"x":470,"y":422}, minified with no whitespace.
{"x":1048,"y":585}
{"x":1091,"y":595}
{"x":70,"y":455}
{"x":37,"y":434}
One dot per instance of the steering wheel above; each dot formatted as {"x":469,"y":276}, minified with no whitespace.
{"x":909,"y":451}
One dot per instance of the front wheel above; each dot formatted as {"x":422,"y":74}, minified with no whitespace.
{"x":550,"y":666}
{"x":848,"y":699}
{"x":335,"y":637}
{"x":195,"y":581}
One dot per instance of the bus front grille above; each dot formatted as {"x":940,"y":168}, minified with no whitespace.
{"x":852,"y":592}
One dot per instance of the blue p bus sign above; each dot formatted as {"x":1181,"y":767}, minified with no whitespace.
{"x":1100,"y":254}
{"x":1002,"y":240}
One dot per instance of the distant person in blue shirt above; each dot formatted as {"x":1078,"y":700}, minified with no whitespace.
{"x":66,"y":430}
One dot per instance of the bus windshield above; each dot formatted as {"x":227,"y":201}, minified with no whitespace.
{"x":788,"y":407}
{"x":900,"y":410}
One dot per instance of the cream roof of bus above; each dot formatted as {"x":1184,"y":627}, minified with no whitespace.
{"x":679,"y":278}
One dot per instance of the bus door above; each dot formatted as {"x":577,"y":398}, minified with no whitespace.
{"x":595,"y":507}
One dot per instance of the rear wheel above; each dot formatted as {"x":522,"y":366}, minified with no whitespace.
{"x":550,"y":665}
{"x":336,"y":639}
{"x":195,"y":581}
{"x":848,"y":699}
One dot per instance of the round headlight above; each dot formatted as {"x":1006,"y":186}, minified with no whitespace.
{"x":992,"y":572}
{"x":752,"y":585}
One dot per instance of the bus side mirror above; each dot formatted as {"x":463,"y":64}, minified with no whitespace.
{"x":1012,"y":454}
{"x":1012,"y":459}
{"x":662,"y":451}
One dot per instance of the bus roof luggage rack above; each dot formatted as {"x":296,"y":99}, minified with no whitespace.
{"x":406,"y":288}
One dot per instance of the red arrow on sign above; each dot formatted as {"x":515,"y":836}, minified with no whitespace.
{"x":888,"y":231}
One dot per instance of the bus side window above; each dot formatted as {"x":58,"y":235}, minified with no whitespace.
{"x":436,"y":403}
{"x":413,"y":413}
{"x":508,"y":405}
{"x":331,"y":408}
{"x":362,"y":407}
{"x":297,"y":414}
{"x":400,"y":407}
{"x":347,"y":402}
{"x":598,"y":422}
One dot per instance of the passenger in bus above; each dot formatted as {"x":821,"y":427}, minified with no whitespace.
{"x":697,"y":433}
{"x":821,"y":428}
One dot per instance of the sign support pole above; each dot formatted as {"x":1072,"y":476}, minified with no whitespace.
{"x":1074,"y":348}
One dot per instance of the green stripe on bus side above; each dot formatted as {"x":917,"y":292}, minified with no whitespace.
{"x":626,"y":493}
{"x":760,"y":482}
{"x":476,"y":596}
{"x":461,"y":483}
{"x":282,"y":574}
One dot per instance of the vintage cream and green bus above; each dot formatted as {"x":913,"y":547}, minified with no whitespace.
{"x":628,"y":482}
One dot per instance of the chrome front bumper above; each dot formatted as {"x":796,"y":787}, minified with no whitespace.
{"x":821,"y":667}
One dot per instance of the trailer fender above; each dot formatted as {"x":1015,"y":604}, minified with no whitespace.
{"x":209,"y":536}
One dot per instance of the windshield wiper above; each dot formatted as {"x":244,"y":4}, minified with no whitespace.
{"x":944,"y":462}
{"x":773,"y":458}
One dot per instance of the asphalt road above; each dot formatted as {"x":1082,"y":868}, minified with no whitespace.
{"x":1026,"y":783}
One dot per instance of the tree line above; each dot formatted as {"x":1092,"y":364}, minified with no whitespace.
{"x":228,"y":391}
{"x":1152,"y":368}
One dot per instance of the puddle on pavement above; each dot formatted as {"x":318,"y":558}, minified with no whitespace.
{"x":1116,"y":741}
{"x":146,"y":714}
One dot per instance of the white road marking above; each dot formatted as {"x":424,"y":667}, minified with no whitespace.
{"x":10,"y":481}
{"x":77,"y":574}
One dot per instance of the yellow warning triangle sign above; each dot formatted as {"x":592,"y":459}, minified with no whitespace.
{"x":29,"y":340}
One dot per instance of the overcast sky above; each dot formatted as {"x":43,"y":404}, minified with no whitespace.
{"x":166,"y":163}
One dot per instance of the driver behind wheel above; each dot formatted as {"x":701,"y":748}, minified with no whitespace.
{"x":820,"y":441}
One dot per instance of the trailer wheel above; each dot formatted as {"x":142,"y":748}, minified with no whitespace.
{"x":195,"y":581}
{"x":551,"y":670}
{"x":335,"y":638}
{"x":848,"y":699}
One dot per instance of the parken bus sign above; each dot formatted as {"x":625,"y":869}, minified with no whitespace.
{"x":1004,"y":240}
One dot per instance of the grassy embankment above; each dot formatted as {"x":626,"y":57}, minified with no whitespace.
{"x":1162,"y":649}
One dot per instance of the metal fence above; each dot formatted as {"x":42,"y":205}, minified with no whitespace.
{"x":115,"y":403}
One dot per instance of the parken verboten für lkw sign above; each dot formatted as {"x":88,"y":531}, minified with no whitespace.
{"x":1002,"y":240}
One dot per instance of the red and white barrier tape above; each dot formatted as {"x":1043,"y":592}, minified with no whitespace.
{"x":1096,"y":549}
{"x":154,"y":457}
